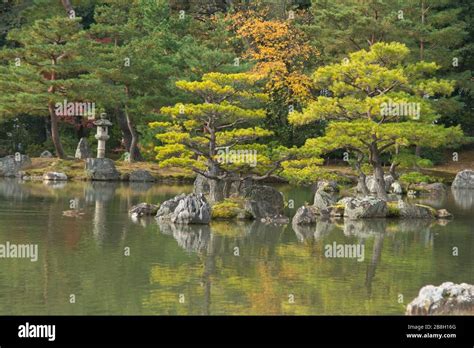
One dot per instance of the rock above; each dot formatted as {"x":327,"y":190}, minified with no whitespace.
{"x":415,"y":211}
{"x":464,"y":179}
{"x":327,"y":185}
{"x":101,"y":169}
{"x":336,"y":210}
{"x":370,"y":182}
{"x":185,"y":209}
{"x":446,"y":299}
{"x":240,"y":187}
{"x":237,"y":187}
{"x":83,"y":150}
{"x":201,"y":185}
{"x":366,"y":207}
{"x":275,"y":220}
{"x":10,"y":166}
{"x":304,"y":216}
{"x":46,"y":154}
{"x":193,"y":209}
{"x":344,"y":200}
{"x":168,"y":207}
{"x":263,"y":201}
{"x":323,"y":199}
{"x":463,"y":198}
{"x":143,"y":209}
{"x":436,"y":189}
{"x":443,"y":214}
{"x":141,"y":176}
{"x":396,"y":188}
{"x":54,"y":176}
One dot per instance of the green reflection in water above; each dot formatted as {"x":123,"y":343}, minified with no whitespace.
{"x":279,"y":270}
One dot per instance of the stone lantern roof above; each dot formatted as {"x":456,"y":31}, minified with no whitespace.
{"x":103,"y":121}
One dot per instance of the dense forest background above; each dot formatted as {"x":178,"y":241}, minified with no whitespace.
{"x":167,"y":41}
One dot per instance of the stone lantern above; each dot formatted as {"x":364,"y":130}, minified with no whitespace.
{"x":102,"y":135}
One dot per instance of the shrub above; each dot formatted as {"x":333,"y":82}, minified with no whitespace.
{"x":415,"y":178}
{"x":228,"y":209}
{"x":393,"y":209}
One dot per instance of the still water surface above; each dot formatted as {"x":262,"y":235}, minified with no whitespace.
{"x":194,"y":270}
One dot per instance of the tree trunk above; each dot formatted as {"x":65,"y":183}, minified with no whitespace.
{"x":216,"y":187}
{"x":361,"y":182}
{"x":80,"y":130}
{"x":418,"y":151}
{"x":67,"y":5}
{"x":133,"y":151}
{"x":47,"y":128}
{"x":362,"y":185}
{"x":378,"y":174}
{"x":393,"y":170}
{"x":122,"y":122}
{"x":55,"y":132}
{"x":380,"y":182}
{"x":216,"y":191}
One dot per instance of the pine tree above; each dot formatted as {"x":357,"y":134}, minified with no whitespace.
{"x":376,"y":105}
{"x":434,"y":31}
{"x":50,"y":66}
{"x":143,"y":45}
{"x":215,"y":137}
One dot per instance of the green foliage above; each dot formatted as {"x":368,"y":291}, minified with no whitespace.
{"x":230,"y":208}
{"x":416,"y":178}
{"x":209,"y":136}
{"x":306,"y":171}
{"x":393,"y":210}
{"x":164,"y":49}
{"x":362,"y":89}
{"x":441,"y":35}
{"x":407,"y":159}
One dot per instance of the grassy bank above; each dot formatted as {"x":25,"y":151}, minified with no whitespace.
{"x":74,"y":169}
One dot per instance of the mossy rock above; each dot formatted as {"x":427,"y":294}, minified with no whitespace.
{"x":229,"y":209}
{"x":393,"y":210}
{"x":431,"y":209}
{"x":407,"y":210}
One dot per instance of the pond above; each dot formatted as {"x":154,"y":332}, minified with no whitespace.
{"x":103,"y":262}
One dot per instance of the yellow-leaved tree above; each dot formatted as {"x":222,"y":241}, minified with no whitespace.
{"x":219,"y":136}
